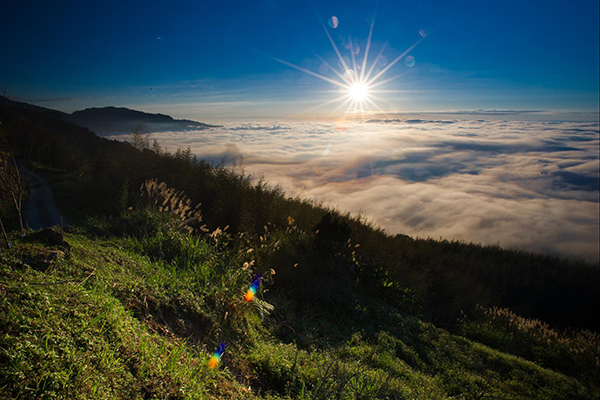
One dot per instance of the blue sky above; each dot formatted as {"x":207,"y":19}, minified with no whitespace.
{"x":217,"y":60}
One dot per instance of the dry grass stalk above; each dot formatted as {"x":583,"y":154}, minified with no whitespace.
{"x":168,"y":200}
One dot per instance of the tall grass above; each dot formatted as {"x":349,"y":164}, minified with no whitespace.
{"x":115,"y":318}
{"x":573,"y":352}
{"x":438,"y":279}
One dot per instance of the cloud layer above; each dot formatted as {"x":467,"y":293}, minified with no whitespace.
{"x":525,"y":185}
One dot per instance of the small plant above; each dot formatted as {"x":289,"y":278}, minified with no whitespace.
{"x":340,"y":380}
{"x":168,"y":200}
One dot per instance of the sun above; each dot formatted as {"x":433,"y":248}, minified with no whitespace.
{"x":359,"y":92}
{"x":358,"y":83}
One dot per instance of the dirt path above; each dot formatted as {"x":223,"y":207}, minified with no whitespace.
{"x":40,"y":210}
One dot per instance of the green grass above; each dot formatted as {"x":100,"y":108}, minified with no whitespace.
{"x":138,"y":317}
{"x":77,"y":330}
{"x":346,"y":311}
{"x":574,"y":353}
{"x":93,"y":176}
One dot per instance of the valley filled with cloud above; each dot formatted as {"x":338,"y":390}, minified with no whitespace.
{"x":520,"y":184}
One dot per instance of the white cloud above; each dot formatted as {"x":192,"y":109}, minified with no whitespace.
{"x":526,"y":185}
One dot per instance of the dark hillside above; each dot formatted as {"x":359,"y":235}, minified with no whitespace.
{"x":4,"y":101}
{"x":438,"y":279}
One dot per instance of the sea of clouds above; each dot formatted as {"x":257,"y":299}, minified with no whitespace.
{"x":525,"y":185}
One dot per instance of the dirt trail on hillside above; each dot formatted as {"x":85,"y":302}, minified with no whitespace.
{"x":40,"y":210}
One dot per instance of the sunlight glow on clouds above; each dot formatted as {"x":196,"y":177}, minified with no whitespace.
{"x":526,"y":185}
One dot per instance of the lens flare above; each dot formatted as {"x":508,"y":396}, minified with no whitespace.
{"x":333,"y":22}
{"x":253,"y":287}
{"x":216,"y":357}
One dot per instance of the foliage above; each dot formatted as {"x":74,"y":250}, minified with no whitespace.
{"x":573,"y":352}
{"x":96,"y":176}
{"x":13,"y":181}
{"x":113,"y":317}
{"x":168,"y":200}
{"x":79,"y":331}
{"x":140,"y":302}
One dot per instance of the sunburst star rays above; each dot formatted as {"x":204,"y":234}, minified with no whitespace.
{"x":357,"y":91}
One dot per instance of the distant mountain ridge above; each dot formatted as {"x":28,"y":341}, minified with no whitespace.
{"x":115,"y":120}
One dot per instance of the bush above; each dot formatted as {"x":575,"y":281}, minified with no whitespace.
{"x":574,"y":353}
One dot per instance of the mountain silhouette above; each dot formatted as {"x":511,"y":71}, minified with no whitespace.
{"x":115,"y":120}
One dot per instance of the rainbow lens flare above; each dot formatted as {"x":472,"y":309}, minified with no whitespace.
{"x":334,"y":22}
{"x":216,"y":357}
{"x":253,"y":287}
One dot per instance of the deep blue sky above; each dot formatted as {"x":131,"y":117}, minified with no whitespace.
{"x":213,"y":60}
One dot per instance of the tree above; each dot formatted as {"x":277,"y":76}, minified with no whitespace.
{"x":13,"y":181}
{"x":3,"y":90}
{"x":138,"y":138}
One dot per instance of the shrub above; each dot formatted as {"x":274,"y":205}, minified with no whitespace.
{"x":574,"y":353}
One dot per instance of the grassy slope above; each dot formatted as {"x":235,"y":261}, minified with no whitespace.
{"x":138,"y":318}
{"x":94,"y":176}
{"x":113,"y":319}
